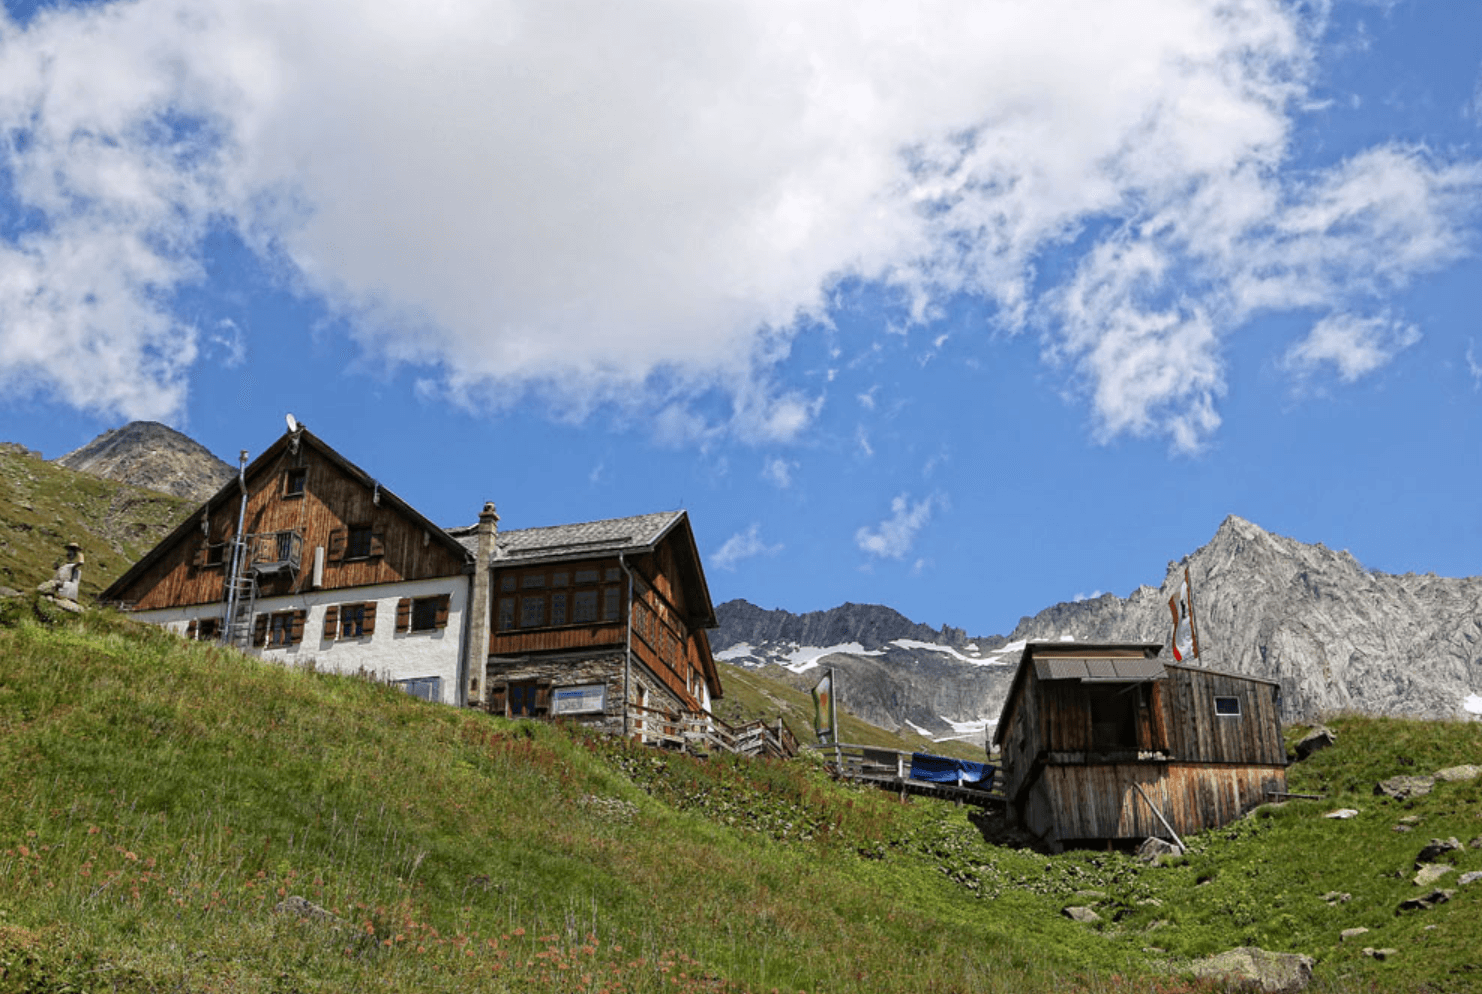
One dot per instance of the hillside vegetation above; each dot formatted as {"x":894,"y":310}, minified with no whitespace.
{"x":44,"y":506}
{"x":160,"y":799}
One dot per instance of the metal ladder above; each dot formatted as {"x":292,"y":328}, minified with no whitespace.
{"x":239,"y":626}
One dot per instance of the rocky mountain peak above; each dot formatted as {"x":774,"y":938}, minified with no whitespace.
{"x":149,"y":454}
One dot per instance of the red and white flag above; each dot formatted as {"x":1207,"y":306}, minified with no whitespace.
{"x":1185,"y":642}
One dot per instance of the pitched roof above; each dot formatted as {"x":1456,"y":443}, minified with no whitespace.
{"x":642,"y":531}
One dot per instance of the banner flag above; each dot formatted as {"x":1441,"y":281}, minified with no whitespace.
{"x":1185,"y":641}
{"x":823,"y":710}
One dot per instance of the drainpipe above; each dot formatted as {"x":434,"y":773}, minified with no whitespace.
{"x":627,"y":643}
{"x":237,"y":550}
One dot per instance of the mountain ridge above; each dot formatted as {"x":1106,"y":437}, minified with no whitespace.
{"x":154,"y":456}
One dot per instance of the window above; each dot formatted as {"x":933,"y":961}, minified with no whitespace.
{"x":422,"y":614}
{"x":611,"y":603}
{"x":215,"y":554}
{"x":1228,"y":707}
{"x":352,"y":621}
{"x":522,"y":699}
{"x":428,"y":688}
{"x":506,"y":613}
{"x":585,"y":607}
{"x":539,"y":597}
{"x":558,"y":608}
{"x":1113,"y":717}
{"x":294,"y":480}
{"x":208,"y":629}
{"x":532,"y":612}
{"x":279,"y":629}
{"x":358,"y":542}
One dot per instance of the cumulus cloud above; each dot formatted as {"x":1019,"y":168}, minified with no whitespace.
{"x":642,"y":204}
{"x":743,"y":545}
{"x":778,"y":472}
{"x":1354,"y":346}
{"x":893,"y":537}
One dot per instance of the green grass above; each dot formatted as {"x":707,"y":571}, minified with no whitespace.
{"x":44,"y":506}
{"x":158,"y":798}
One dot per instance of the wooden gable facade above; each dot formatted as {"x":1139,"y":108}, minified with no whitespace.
{"x":313,"y":521}
{"x":620,"y":605}
{"x":1108,"y":744}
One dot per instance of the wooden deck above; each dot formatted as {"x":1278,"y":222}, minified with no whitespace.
{"x":890,"y":769}
{"x":703,"y":733}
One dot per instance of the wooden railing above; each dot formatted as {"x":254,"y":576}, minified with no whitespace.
{"x":892,"y":768}
{"x":701,"y":731}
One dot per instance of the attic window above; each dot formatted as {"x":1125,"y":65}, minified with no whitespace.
{"x":1227,"y":706}
{"x":294,"y":480}
{"x":358,"y":544}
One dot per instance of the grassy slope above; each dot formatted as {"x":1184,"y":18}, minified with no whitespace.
{"x":44,"y":506}
{"x":157,"y":798}
{"x":752,"y":694}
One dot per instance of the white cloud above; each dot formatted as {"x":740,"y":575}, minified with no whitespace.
{"x":862,"y":440}
{"x":867,"y":399}
{"x":743,"y":545}
{"x":778,"y":472}
{"x":1473,"y":366}
{"x":1353,"y":345}
{"x":637,"y":204}
{"x":230,"y":345}
{"x":893,"y":537}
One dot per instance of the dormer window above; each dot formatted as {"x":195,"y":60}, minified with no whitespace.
{"x":294,"y":481}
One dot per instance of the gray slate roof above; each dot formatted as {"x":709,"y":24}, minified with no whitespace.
{"x":560,"y":541}
{"x":1112,"y":669}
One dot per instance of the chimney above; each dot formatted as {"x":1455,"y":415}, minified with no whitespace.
{"x":476,"y":651}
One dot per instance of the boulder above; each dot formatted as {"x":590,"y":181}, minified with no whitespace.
{"x":1342,"y":814}
{"x":1152,"y":849}
{"x":1379,"y":954}
{"x":1430,"y":873}
{"x":1428,"y":901}
{"x":1455,"y":774}
{"x":1319,"y":738}
{"x":1352,"y":933}
{"x":1437,"y":848}
{"x":1253,"y":967}
{"x":1402,"y":788}
{"x":1469,"y":878}
{"x":1079,"y":914}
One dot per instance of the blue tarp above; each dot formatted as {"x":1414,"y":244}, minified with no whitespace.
{"x":942,"y":769}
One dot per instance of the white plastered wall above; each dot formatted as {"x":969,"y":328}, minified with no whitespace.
{"x":387,"y":654}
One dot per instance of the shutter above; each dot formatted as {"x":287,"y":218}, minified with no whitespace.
{"x":190,"y":630}
{"x":497,"y":695}
{"x":198,"y":558}
{"x":378,"y":544}
{"x":542,"y":697}
{"x":369,"y":627}
{"x":442,"y":611}
{"x":297,"y":634}
{"x":337,"y":540}
{"x":260,"y":630}
{"x":404,"y":614}
{"x":331,"y":621}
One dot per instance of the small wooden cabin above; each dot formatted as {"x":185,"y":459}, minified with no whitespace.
{"x":1103,"y":743}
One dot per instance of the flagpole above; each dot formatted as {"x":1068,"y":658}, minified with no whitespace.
{"x":833,"y":717}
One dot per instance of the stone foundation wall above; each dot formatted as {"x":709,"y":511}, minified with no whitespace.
{"x":553,"y":672}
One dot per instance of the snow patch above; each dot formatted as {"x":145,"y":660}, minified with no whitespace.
{"x":1473,"y":704}
{"x":738,"y":651}
{"x":806,"y":657}
{"x":947,"y":650}
{"x":918,"y":729}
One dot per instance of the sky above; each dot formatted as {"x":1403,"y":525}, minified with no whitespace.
{"x":967,"y":309}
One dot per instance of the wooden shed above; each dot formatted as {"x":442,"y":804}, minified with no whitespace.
{"x":1102,"y":744}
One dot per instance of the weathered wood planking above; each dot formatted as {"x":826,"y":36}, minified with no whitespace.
{"x":333,"y":500}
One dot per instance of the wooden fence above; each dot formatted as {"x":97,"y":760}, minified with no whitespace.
{"x":890,"y":769}
{"x":703,"y":732}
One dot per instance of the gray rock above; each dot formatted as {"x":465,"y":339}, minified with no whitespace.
{"x":1402,"y":788}
{"x":1428,"y":901}
{"x":9,"y":592}
{"x":1342,"y":813}
{"x":1437,"y":848}
{"x":1410,"y":820}
{"x":1430,"y":873}
{"x":1352,"y":933}
{"x":1253,"y":967}
{"x":1402,"y":828}
{"x":1079,"y":914}
{"x":1336,"y":897}
{"x":1319,"y":738}
{"x":1469,"y":878}
{"x":1456,"y":774}
{"x":1380,"y":954}
{"x":1152,"y":849}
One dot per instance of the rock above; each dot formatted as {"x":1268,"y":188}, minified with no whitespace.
{"x":1455,"y":774}
{"x":1251,"y":966}
{"x":65,"y":603}
{"x":1402,"y":788}
{"x":1352,"y":933}
{"x":1475,"y":843}
{"x":1379,"y":954}
{"x":1152,"y":849}
{"x":9,"y":592}
{"x":1410,"y":820}
{"x":1469,"y":878}
{"x":1427,"y":902}
{"x":1342,"y":813}
{"x":1402,"y":828}
{"x":1430,"y":873}
{"x":1078,"y":914}
{"x":1438,"y":847}
{"x":302,"y":907}
{"x":1336,"y":897}
{"x":1319,"y":738}
{"x":1150,"y":902}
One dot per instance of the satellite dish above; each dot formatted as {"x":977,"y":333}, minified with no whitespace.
{"x":292,"y":422}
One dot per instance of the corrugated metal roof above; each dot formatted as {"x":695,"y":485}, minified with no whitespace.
{"x":609,"y":535}
{"x":1110,"y":669}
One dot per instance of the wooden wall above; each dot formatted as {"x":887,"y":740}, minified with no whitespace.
{"x":1196,"y":733}
{"x":1087,"y":803}
{"x":331,"y":503}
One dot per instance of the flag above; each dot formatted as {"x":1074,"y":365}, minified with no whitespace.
{"x":1185,"y":641}
{"x":823,"y":710}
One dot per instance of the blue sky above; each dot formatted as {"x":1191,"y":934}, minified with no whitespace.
{"x":966,"y":311}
